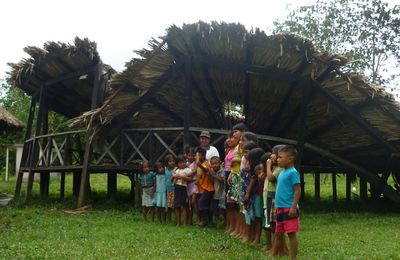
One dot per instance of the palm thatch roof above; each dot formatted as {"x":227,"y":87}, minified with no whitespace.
{"x":67,"y":72}
{"x":273,"y":77}
{"x":9,"y":123}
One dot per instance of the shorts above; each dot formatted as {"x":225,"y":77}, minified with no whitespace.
{"x":180,"y":196}
{"x":170,"y":199}
{"x":286,"y":224}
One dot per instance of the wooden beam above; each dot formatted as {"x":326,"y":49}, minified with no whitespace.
{"x":85,"y":174}
{"x":348,"y":187}
{"x":96,"y":86}
{"x":334,"y":187}
{"x":363,"y":189}
{"x":344,"y":108}
{"x":111,"y":185}
{"x":206,"y":105}
{"x":317,"y":186}
{"x":337,"y":120}
{"x":147,"y":96}
{"x":70,"y":75}
{"x":174,"y":116}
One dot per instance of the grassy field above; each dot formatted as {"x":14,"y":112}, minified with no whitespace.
{"x":115,"y":229}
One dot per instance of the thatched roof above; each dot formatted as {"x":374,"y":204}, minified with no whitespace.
{"x":272,"y":76}
{"x":9,"y":123}
{"x":65,"y":69}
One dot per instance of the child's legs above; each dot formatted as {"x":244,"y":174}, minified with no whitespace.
{"x":144,"y":213}
{"x":178,"y":216}
{"x":152,"y":213}
{"x":257,"y":230}
{"x":159,"y":209}
{"x":169,"y":215}
{"x":293,"y":245}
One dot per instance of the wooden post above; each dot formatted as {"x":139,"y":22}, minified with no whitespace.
{"x":27,"y":147}
{"x":35,"y":149}
{"x":188,"y":99}
{"x":111,"y":185}
{"x":96,"y":86}
{"x":76,"y":183}
{"x":151,"y":147}
{"x":348,"y":187}
{"x":85,"y":175}
{"x":133,"y":183}
{"x":317,"y":186}
{"x":334,"y":187}
{"x":7,"y":158}
{"x":62,"y":185}
{"x":363,"y":189}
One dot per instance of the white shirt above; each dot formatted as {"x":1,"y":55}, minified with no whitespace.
{"x":211,"y":152}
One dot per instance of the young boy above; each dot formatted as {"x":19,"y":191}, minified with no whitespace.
{"x":205,"y":184}
{"x":218,"y":174}
{"x":286,"y":199}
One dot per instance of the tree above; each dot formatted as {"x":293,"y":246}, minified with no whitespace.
{"x":365,"y":31}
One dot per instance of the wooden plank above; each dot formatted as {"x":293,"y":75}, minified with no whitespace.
{"x":62,"y":185}
{"x":111,"y":186}
{"x":348,"y":187}
{"x":96,"y":85}
{"x":70,"y":75}
{"x":85,"y":175}
{"x":76,"y":183}
{"x":363,"y":189}
{"x":136,"y":148}
{"x":177,"y":138}
{"x":164,"y":144}
{"x":107,"y":150}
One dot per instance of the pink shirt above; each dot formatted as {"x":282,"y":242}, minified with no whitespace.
{"x":228,"y":160}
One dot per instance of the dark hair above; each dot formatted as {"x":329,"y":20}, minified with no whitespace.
{"x":157,"y":165}
{"x":257,"y":168}
{"x":264,"y":158}
{"x":186,"y":148}
{"x":290,"y":150}
{"x":250,"y":137}
{"x":180,"y":158}
{"x":189,"y":149}
{"x":277,"y":147}
{"x":249,"y":146}
{"x":167,"y":158}
{"x":230,"y":134}
{"x":254,"y":157}
{"x":226,"y":145}
{"x":200,"y":150}
{"x":215,"y":158}
{"x":240,"y":127}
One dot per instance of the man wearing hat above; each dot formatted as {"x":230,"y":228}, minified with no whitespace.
{"x":205,"y":139}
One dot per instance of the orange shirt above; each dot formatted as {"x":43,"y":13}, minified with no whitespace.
{"x":203,"y":179}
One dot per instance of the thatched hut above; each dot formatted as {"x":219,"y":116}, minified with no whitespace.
{"x":288,"y":91}
{"x":9,"y":123}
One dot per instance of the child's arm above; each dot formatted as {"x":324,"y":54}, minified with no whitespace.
{"x":270,"y":176}
{"x":217,"y":177}
{"x":250,"y":187}
{"x":187,"y":178}
{"x":296,"y":198}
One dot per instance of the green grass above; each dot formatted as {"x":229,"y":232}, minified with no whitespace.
{"x":116,"y":230}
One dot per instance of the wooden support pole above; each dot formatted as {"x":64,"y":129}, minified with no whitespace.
{"x":348,"y":187}
{"x":76,"y":183}
{"x":84,"y":187}
{"x":45,"y":176}
{"x":62,"y":185}
{"x":111,"y":185}
{"x":188,"y":100}
{"x":151,"y":148}
{"x":7,"y":158}
{"x":96,"y":86}
{"x":334,"y":187}
{"x":133,"y":183}
{"x":27,"y":146}
{"x":317,"y":187}
{"x":363,"y":189}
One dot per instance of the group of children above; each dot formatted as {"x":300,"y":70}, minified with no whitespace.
{"x":253,"y":190}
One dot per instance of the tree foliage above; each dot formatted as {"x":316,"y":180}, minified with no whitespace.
{"x":365,"y":31}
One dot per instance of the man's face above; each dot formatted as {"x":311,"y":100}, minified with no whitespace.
{"x":204,"y":141}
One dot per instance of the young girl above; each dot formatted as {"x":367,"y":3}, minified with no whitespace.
{"x":229,"y":146}
{"x":160,"y":196}
{"x":169,"y":169}
{"x":192,"y":189}
{"x":147,"y":180}
{"x":180,"y":177}
{"x":273,"y":171}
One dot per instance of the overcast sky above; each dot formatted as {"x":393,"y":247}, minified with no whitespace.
{"x":119,"y":26}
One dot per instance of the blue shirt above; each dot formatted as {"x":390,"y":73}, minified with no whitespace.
{"x":147,"y":179}
{"x":168,"y":180}
{"x":284,"y":190}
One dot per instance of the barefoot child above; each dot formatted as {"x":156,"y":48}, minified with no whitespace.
{"x":205,"y":184}
{"x":192,"y":189}
{"x":169,"y":169}
{"x":218,"y":202}
{"x":286,"y":201}
{"x":180,"y":177}
{"x":160,"y":196}
{"x":147,"y":180}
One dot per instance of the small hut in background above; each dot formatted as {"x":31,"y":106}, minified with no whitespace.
{"x":9,"y":123}
{"x":287,"y":92}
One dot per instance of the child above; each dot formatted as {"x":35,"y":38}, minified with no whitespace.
{"x":258,"y":203}
{"x":286,"y":202}
{"x":147,"y":179}
{"x":217,"y":172}
{"x":192,"y":189}
{"x":180,"y":178}
{"x":169,"y":169}
{"x":160,"y":196}
{"x":229,"y":147}
{"x":205,"y":184}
